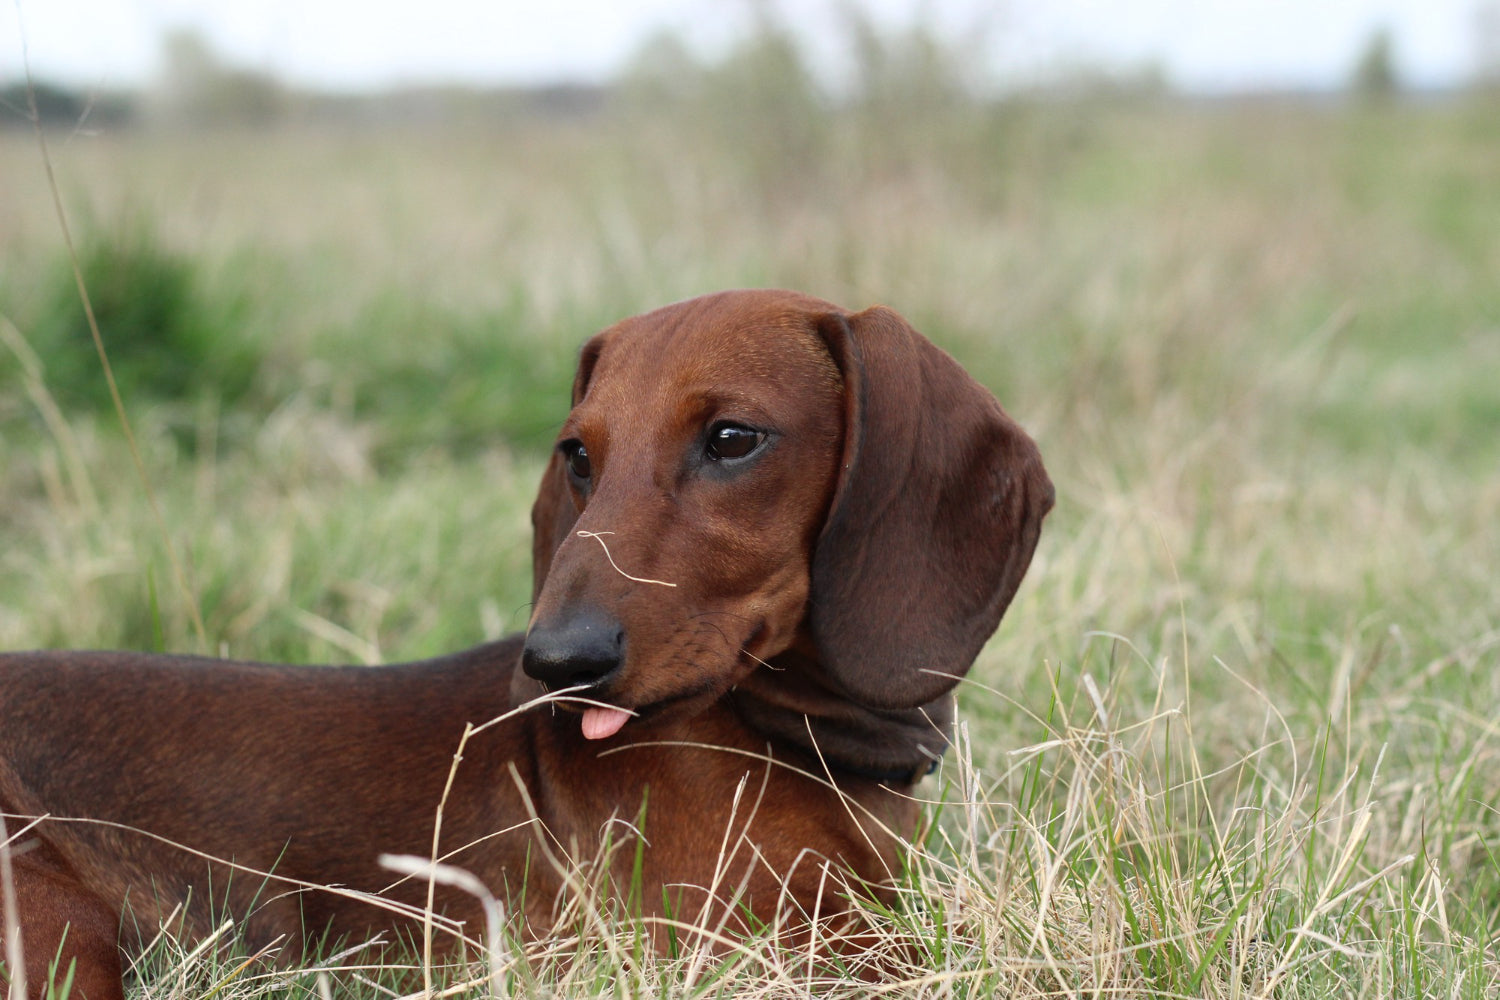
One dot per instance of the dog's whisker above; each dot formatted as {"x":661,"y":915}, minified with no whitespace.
{"x":767,"y":665}
{"x":725,"y":614}
{"x":705,"y":627}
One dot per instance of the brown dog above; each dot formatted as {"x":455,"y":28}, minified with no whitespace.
{"x":772,"y":538}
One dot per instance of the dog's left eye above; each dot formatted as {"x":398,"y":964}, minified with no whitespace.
{"x":731,"y":441}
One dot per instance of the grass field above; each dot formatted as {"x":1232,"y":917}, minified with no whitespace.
{"x":1238,"y":734}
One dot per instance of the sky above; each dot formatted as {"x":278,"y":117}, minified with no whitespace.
{"x":1203,"y":45}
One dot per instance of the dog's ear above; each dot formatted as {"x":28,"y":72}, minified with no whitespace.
{"x":552,"y":517}
{"x":553,"y":513}
{"x":937,"y":510}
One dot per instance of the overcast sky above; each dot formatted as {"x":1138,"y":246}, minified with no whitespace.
{"x":362,"y":44}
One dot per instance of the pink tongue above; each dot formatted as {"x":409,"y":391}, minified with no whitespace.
{"x":601,"y":723}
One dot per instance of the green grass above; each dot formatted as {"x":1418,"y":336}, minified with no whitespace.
{"x":1236,"y":736}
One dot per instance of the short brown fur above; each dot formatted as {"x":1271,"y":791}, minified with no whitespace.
{"x":795,"y":619}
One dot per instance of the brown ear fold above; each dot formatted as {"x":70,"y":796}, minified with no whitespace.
{"x":552,"y":517}
{"x":553,"y":513}
{"x":933,"y":522}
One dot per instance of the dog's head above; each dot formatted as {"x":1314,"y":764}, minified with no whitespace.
{"x":754,"y":472}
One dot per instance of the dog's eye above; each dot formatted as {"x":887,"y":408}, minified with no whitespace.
{"x":577,"y":458}
{"x":726,"y":440}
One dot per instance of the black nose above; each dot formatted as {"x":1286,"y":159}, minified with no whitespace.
{"x":582,"y":650}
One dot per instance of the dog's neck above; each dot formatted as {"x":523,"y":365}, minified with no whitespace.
{"x":789,"y":700}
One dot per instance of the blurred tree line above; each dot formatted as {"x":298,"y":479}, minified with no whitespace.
{"x":765,"y":82}
{"x":59,"y":106}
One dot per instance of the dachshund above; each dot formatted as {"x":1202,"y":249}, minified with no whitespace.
{"x":772,"y":537}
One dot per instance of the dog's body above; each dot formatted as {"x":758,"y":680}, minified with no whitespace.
{"x":772,"y":538}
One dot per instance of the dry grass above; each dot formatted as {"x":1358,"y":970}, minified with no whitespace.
{"x":1236,"y":736}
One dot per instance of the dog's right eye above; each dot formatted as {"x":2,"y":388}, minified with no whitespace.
{"x":577,"y":458}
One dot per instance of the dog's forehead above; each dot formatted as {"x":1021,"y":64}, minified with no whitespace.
{"x":724,"y":349}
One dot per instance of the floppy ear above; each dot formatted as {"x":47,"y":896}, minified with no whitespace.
{"x":552,"y":517}
{"x":553,"y":513}
{"x":933,"y":521}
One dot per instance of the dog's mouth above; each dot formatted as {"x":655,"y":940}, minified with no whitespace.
{"x":601,"y":720}
{"x":602,"y":723}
